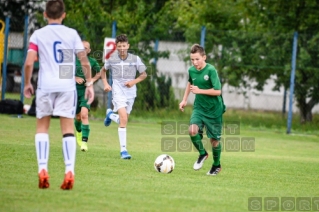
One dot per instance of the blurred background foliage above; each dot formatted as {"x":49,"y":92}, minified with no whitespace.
{"x":247,"y":40}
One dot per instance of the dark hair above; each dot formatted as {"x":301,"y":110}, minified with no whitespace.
{"x":196,"y":48}
{"x":54,"y":9}
{"x":121,"y":38}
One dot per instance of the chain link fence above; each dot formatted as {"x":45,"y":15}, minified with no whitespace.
{"x":248,"y":65}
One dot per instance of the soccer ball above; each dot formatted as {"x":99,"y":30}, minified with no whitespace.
{"x":164,"y":164}
{"x":26,"y":108}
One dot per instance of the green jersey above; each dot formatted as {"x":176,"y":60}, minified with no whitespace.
{"x":207,"y":78}
{"x":95,"y":68}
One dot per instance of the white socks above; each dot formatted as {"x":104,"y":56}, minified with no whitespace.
{"x":69,"y":150}
{"x":122,"y":138}
{"x":115,"y":118}
{"x":42,"y":148}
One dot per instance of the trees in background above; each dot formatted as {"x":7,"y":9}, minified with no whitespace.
{"x":141,"y":21}
{"x":252,"y":40}
{"x":246,"y":40}
{"x":301,"y":16}
{"x":17,"y":9}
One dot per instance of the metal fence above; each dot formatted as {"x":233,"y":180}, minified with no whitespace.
{"x":225,"y":50}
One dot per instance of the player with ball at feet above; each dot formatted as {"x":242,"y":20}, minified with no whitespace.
{"x":208,"y":108}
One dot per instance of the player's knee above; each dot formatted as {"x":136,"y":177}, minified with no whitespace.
{"x":193,"y":130}
{"x":123,"y":121}
{"x":214,"y":142}
{"x":84,"y":116}
{"x":78,"y":117}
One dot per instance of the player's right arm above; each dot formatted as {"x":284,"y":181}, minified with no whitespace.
{"x":185,"y":97}
{"x":86,"y":68}
{"x":28,"y":69}
{"x":107,"y":86}
{"x":78,"y":69}
{"x":96,"y":68}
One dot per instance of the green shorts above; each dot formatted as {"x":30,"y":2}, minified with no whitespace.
{"x":82,"y":102}
{"x":213,"y":126}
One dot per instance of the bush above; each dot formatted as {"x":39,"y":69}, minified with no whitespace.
{"x":154,"y":93}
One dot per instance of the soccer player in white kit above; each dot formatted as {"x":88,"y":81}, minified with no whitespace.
{"x":124,"y":67}
{"x":56,"y":46}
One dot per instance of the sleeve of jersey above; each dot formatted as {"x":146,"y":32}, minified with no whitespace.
{"x":107,"y":65}
{"x":215,"y":79}
{"x":96,"y":66}
{"x":189,"y":77}
{"x":33,"y":44}
{"x":140,"y":65}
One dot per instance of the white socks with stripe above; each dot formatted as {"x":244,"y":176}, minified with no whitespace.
{"x":69,"y":151}
{"x":42,"y":146}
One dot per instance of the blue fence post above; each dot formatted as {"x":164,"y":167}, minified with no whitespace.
{"x":292,"y":81}
{"x":109,"y":94}
{"x":114,"y":29}
{"x":4,"y":64}
{"x":284,"y":102}
{"x":156,"y":50}
{"x":25,"y":38}
{"x":202,"y":36}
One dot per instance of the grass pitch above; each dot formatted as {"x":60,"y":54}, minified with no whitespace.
{"x":280,"y":166}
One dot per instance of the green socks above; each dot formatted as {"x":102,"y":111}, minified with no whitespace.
{"x":85,"y":132}
{"x":85,"y":129}
{"x":78,"y":125}
{"x":197,"y":141}
{"x":216,"y":154}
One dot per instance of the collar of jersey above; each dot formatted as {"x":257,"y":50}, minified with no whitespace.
{"x":54,"y":24}
{"x":123,"y":59}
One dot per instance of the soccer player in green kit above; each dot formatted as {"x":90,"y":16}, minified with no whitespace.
{"x":81,"y":120}
{"x":208,"y":108}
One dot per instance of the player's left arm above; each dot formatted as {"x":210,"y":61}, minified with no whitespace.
{"x":140,"y":67}
{"x":210,"y":92}
{"x":28,"y":69}
{"x":28,"y":66}
{"x":140,"y":78}
{"x":216,"y":86}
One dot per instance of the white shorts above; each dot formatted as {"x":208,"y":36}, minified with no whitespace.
{"x":121,"y":102}
{"x":56,"y":104}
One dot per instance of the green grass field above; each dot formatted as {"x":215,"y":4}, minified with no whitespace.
{"x":281,"y":165}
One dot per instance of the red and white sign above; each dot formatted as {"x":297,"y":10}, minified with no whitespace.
{"x":109,"y":48}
